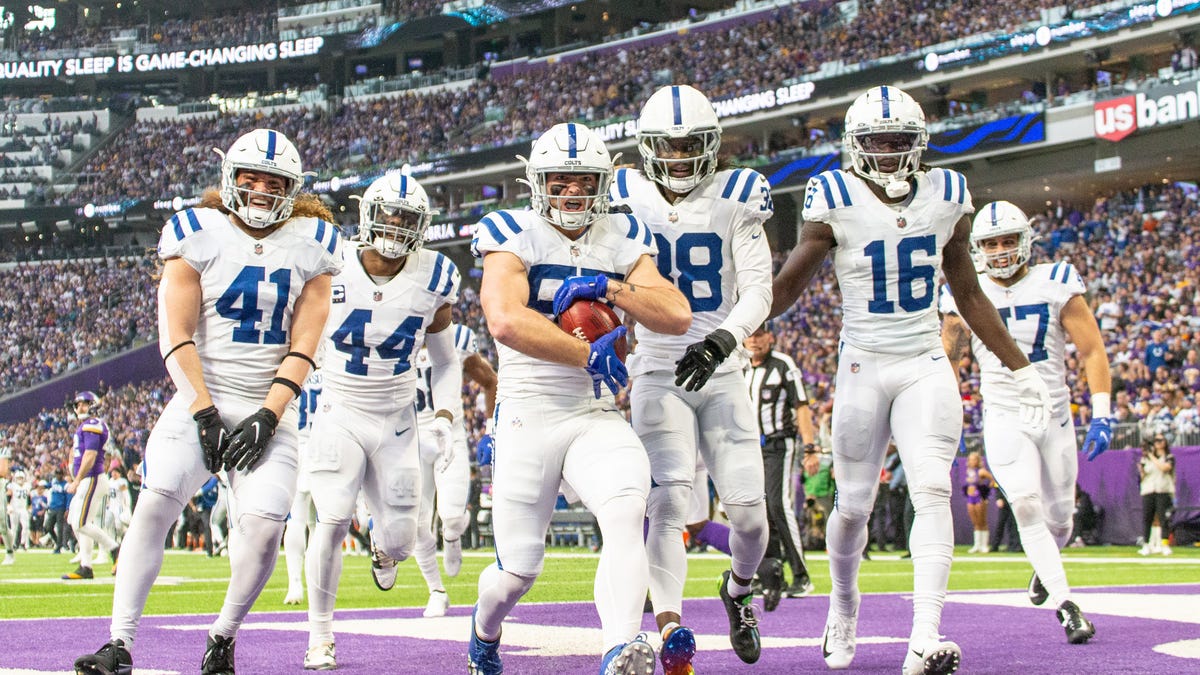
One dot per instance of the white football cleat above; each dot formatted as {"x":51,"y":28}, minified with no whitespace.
{"x":840,"y":640}
{"x":932,"y":657}
{"x":295,"y":595}
{"x":452,"y":556}
{"x":321,"y":657}
{"x":439,"y":602}
{"x":8,"y":559}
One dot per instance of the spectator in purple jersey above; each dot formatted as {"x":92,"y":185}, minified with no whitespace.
{"x":88,"y":483}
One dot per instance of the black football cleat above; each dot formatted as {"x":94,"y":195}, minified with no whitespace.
{"x":770,"y":573}
{"x":80,"y":572}
{"x":111,"y":659}
{"x":1079,"y":629}
{"x":218,"y":656}
{"x":743,"y":623}
{"x":1037,"y":592}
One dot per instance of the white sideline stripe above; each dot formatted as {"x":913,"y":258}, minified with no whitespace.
{"x":952,"y":596}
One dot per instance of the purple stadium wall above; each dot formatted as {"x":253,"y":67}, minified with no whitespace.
{"x":135,"y":365}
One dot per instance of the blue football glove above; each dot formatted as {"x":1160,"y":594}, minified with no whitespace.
{"x":579,"y":288}
{"x":1099,"y":435}
{"x":603,"y":363}
{"x":484,"y":449}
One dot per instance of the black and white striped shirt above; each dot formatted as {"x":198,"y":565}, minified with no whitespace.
{"x":777,"y":388}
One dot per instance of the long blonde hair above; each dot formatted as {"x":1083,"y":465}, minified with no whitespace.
{"x":307,"y":205}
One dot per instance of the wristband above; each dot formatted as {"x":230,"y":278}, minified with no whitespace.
{"x":181,"y":344}
{"x":287,"y":383}
{"x":1101,"y":404}
{"x":302,"y":355}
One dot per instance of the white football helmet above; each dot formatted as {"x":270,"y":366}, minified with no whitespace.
{"x":671,"y":114}
{"x":393,"y":215}
{"x":568,"y":148}
{"x":266,"y":151}
{"x":885,"y":135}
{"x":995,"y":220}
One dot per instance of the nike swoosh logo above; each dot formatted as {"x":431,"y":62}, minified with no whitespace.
{"x":401,"y":432}
{"x":756,"y":236}
{"x":1065,"y":423}
{"x":938,"y":358}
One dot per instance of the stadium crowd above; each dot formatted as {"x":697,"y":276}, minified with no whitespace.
{"x":749,"y":57}
{"x":1137,"y":251}
{"x":58,"y":317}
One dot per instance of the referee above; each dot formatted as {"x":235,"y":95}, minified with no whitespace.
{"x":777,"y":389}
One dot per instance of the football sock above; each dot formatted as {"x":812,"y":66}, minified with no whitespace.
{"x":664,"y":545}
{"x":846,"y":538}
{"x":141,"y":561}
{"x":621,"y":576}
{"x":323,"y":563}
{"x":932,"y":543}
{"x":747,"y":537}
{"x":251,"y":560}
{"x":293,"y":550}
{"x":498,"y":599}
{"x":715,"y":535}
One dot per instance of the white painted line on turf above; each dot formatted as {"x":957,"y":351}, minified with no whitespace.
{"x":526,"y":639}
{"x":1156,"y":606}
{"x":1184,"y":649}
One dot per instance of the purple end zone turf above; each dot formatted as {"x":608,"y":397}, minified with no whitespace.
{"x":998,"y":632}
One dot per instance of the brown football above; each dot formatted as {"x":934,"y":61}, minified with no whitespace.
{"x":589,"y":320}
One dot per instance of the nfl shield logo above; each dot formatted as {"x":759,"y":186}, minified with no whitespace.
{"x":854,"y":367}
{"x":575,"y":251}
{"x":901,"y":222}
{"x":378,"y":296}
{"x":258,"y":249}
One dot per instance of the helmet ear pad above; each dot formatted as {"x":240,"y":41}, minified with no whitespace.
{"x":568,"y":148}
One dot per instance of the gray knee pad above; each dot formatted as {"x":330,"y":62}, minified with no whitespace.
{"x":853,"y":503}
{"x":930,"y":497}
{"x":396,"y":537}
{"x":668,"y":507}
{"x":1027,"y":510}
{"x":452,"y":528}
{"x":748,"y":521}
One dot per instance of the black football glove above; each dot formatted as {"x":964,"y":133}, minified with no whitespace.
{"x":701,"y":359}
{"x":214,"y":436}
{"x":250,"y":439}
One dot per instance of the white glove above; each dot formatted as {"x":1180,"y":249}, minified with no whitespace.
{"x":442,"y":433}
{"x":1034,"y":398}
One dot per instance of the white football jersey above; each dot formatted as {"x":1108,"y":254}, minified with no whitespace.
{"x":20,"y":496}
{"x":465,"y":345}
{"x":1031,"y":310}
{"x":887,"y":259}
{"x":711,"y":246}
{"x":611,"y":245}
{"x":310,"y":396}
{"x":373,"y":329}
{"x":249,"y":287}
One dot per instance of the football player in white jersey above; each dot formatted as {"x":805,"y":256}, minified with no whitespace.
{"x":689,"y":397}
{"x":448,"y":481}
{"x":1042,"y":305}
{"x":393,"y":296}
{"x":303,"y":516}
{"x":18,"y":507}
{"x":241,"y":304}
{"x":891,"y":223}
{"x":5,"y":533}
{"x":556,"y":419}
